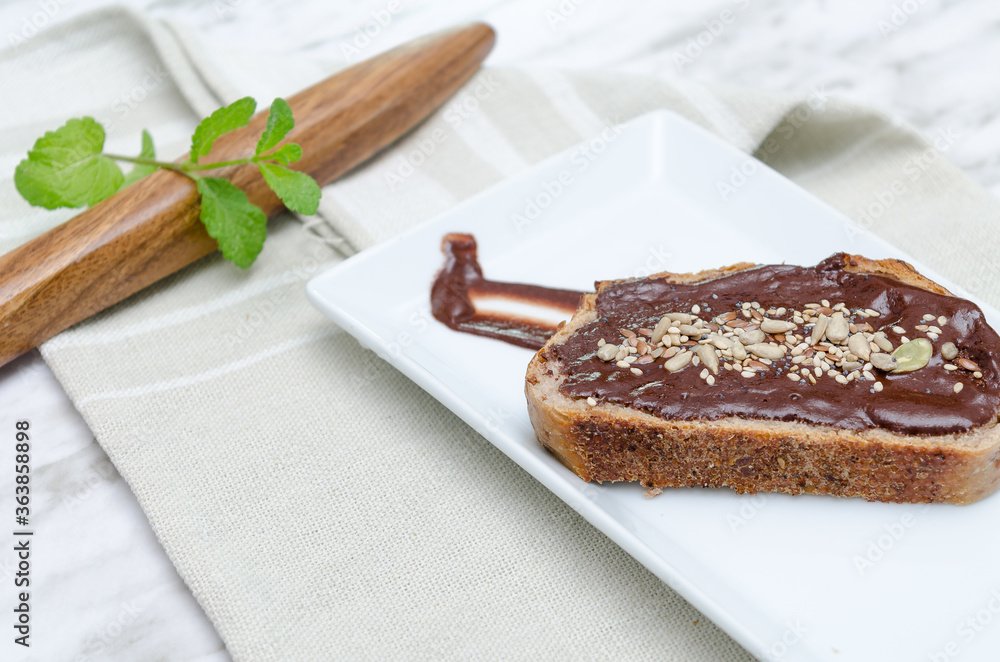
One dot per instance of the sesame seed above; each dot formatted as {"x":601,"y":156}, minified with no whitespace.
{"x":877,"y":387}
{"x":747,"y":373}
{"x":695,"y":309}
{"x":591,"y":401}
{"x":950,"y":366}
{"x":928,"y":317}
{"x":957,"y":388}
{"x":942,"y":320}
{"x":710,"y":380}
{"x":622,"y":364}
{"x":898,"y":329}
{"x":794,"y":377}
{"x":636,"y":371}
{"x":977,"y":374}
{"x":602,"y":342}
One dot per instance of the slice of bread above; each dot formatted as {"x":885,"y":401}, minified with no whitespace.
{"x":605,"y":442}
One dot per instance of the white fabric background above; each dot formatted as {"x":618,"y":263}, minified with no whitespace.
{"x":314,"y":500}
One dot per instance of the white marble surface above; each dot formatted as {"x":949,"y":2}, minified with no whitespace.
{"x":103,"y":588}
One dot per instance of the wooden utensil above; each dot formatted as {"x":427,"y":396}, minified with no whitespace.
{"x":151,"y":229}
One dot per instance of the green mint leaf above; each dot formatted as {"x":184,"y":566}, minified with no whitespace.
{"x":288,"y":153}
{"x":66,"y":167}
{"x":297,"y":190}
{"x":279,"y":123}
{"x":236,"y":224}
{"x":222,"y":121}
{"x":139,"y":170}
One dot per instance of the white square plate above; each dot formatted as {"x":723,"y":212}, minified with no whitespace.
{"x":792,"y":578}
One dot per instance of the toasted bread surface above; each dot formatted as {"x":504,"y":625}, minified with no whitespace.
{"x":610,"y":442}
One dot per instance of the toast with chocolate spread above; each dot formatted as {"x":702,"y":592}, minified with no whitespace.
{"x":855,"y":377}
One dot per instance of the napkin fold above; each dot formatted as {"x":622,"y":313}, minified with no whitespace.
{"x":318,"y":503}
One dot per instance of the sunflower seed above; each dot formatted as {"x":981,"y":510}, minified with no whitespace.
{"x":708,"y":356}
{"x":752,"y":337}
{"x":765,"y":351}
{"x":678,"y":362}
{"x":882,"y":341}
{"x":768,"y":325}
{"x":966,"y":364}
{"x":819,"y":329}
{"x":838,"y":329}
{"x":691,"y":331}
{"x":884,"y":362}
{"x":859,"y":345}
{"x":607,"y":351}
{"x":660,"y":329}
{"x":738,"y":350}
{"x":720,"y":341}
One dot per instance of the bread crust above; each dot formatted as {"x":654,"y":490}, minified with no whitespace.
{"x":610,"y":443}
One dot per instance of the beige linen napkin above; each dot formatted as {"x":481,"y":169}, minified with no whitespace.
{"x":319,"y":504}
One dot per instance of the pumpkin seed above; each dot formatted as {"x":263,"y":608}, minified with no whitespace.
{"x":912,"y":355}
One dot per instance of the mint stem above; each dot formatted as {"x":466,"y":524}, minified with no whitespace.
{"x":178,"y":167}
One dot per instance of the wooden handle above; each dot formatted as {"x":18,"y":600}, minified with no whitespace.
{"x":151,"y":229}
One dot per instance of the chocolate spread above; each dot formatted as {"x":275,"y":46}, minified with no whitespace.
{"x":920,"y":402}
{"x":460,"y":282}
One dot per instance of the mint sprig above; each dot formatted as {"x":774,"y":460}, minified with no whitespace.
{"x":68,"y":167}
